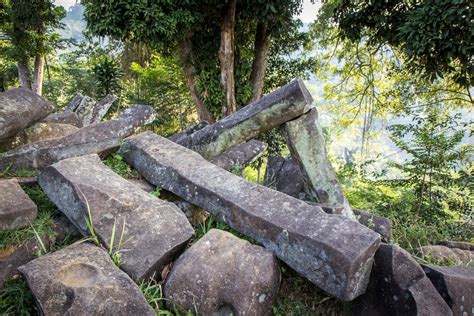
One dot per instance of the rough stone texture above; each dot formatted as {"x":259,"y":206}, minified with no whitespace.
{"x":17,"y":210}
{"x":378,"y":224}
{"x":182,"y":135}
{"x":464,"y":245}
{"x":19,"y":108}
{"x":156,"y":230}
{"x":305,"y":140}
{"x":332,"y":251}
{"x":100,"y":109}
{"x":239,"y":156}
{"x":81,"y":279}
{"x":290,"y":180}
{"x":272,"y":171}
{"x":195,"y":214}
{"x":85,"y":107}
{"x":445,"y":255}
{"x":272,"y":110}
{"x":222,"y":272}
{"x":37,"y":132}
{"x":456,"y":286}
{"x":70,"y":118}
{"x":398,"y":286}
{"x":74,"y":103}
{"x":97,"y":138}
{"x":143,"y":184}
{"x":14,"y":256}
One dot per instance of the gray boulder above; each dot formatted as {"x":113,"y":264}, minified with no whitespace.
{"x":17,"y":210}
{"x":445,"y":255}
{"x":81,"y":279}
{"x":272,"y":110}
{"x":222,"y":273}
{"x":272,"y":171}
{"x":85,"y":107}
{"x":99,"y":110}
{"x":456,"y":286}
{"x":398,"y":286}
{"x":97,"y":138}
{"x":332,"y":251}
{"x":239,"y":156}
{"x":20,"y":108}
{"x":74,"y":103}
{"x":70,"y":118}
{"x":305,"y":140}
{"x":290,"y":180}
{"x":154,"y":231}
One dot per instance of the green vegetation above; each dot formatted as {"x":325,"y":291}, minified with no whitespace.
{"x":17,"y":299}
{"x":116,"y":163}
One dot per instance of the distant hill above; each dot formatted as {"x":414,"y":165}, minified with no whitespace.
{"x":74,"y":23}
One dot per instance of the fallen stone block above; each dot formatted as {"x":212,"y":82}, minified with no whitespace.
{"x":222,"y":273}
{"x":333,"y":252}
{"x":70,"y":118}
{"x":239,"y":156}
{"x":74,"y":103}
{"x":35,"y":133}
{"x":463,"y":245}
{"x":85,"y":107}
{"x":99,"y":110}
{"x":290,"y":180}
{"x":445,"y":255}
{"x":272,"y":171}
{"x":20,"y":108}
{"x":155,"y":231}
{"x":456,"y":286}
{"x":272,"y":110}
{"x":305,"y":140}
{"x":97,"y":138}
{"x":398,"y":286}
{"x":81,"y":279}
{"x":17,"y":210}
{"x":182,"y":135}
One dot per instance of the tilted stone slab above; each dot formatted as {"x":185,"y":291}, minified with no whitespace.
{"x":398,"y":286}
{"x":81,"y":279}
{"x":74,"y":103}
{"x":222,"y":273}
{"x":100,"y":109}
{"x":272,"y":110}
{"x":272,"y":171}
{"x":85,"y":107}
{"x":456,"y":286}
{"x":182,"y":135}
{"x":70,"y":118}
{"x":20,"y":108}
{"x":17,"y":210}
{"x":239,"y":156}
{"x":155,"y":230}
{"x":96,"y":138}
{"x":305,"y":140}
{"x":332,"y":251}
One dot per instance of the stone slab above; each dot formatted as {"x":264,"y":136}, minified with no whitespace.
{"x":17,"y":210}
{"x":20,"y":108}
{"x":70,"y":118}
{"x":239,"y":156}
{"x":332,"y":251}
{"x":96,"y":138}
{"x":446,"y":255}
{"x":81,"y":279}
{"x":187,"y":132}
{"x":100,"y":109}
{"x":155,"y":230}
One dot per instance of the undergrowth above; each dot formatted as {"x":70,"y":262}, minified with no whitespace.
{"x":119,"y":166}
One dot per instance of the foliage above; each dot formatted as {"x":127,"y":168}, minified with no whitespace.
{"x":107,"y":74}
{"x":17,"y":299}
{"x":433,"y":47}
{"x":153,"y":292}
{"x":116,"y":163}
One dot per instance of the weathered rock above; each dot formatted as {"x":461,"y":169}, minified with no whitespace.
{"x":464,"y":245}
{"x":290,"y":180}
{"x":74,"y":103}
{"x":195,"y":214}
{"x":156,"y":230}
{"x":19,"y":108}
{"x":398,"y":286}
{"x":14,"y":256}
{"x":274,"y":109}
{"x":37,"y":132}
{"x":445,"y":255}
{"x":456,"y":286}
{"x":332,"y":251}
{"x":100,"y":109}
{"x":272,"y":171}
{"x":239,"y":156}
{"x":143,"y":184}
{"x":378,"y":224}
{"x":85,"y":107}
{"x":17,"y":210}
{"x":221,"y":272}
{"x":70,"y":118}
{"x":181,"y":135}
{"x":97,"y":138}
{"x":81,"y":279}
{"x":305,"y":140}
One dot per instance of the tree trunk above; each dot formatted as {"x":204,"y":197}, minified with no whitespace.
{"x":189,"y":72}
{"x":259,"y":65}
{"x":37,"y":85}
{"x":24,"y":73}
{"x":226,"y":57}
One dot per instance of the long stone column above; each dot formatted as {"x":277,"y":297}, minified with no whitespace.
{"x":274,"y":109}
{"x":332,"y":251}
{"x":305,"y":140}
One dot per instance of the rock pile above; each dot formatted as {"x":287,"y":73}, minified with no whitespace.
{"x":300,"y":216}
